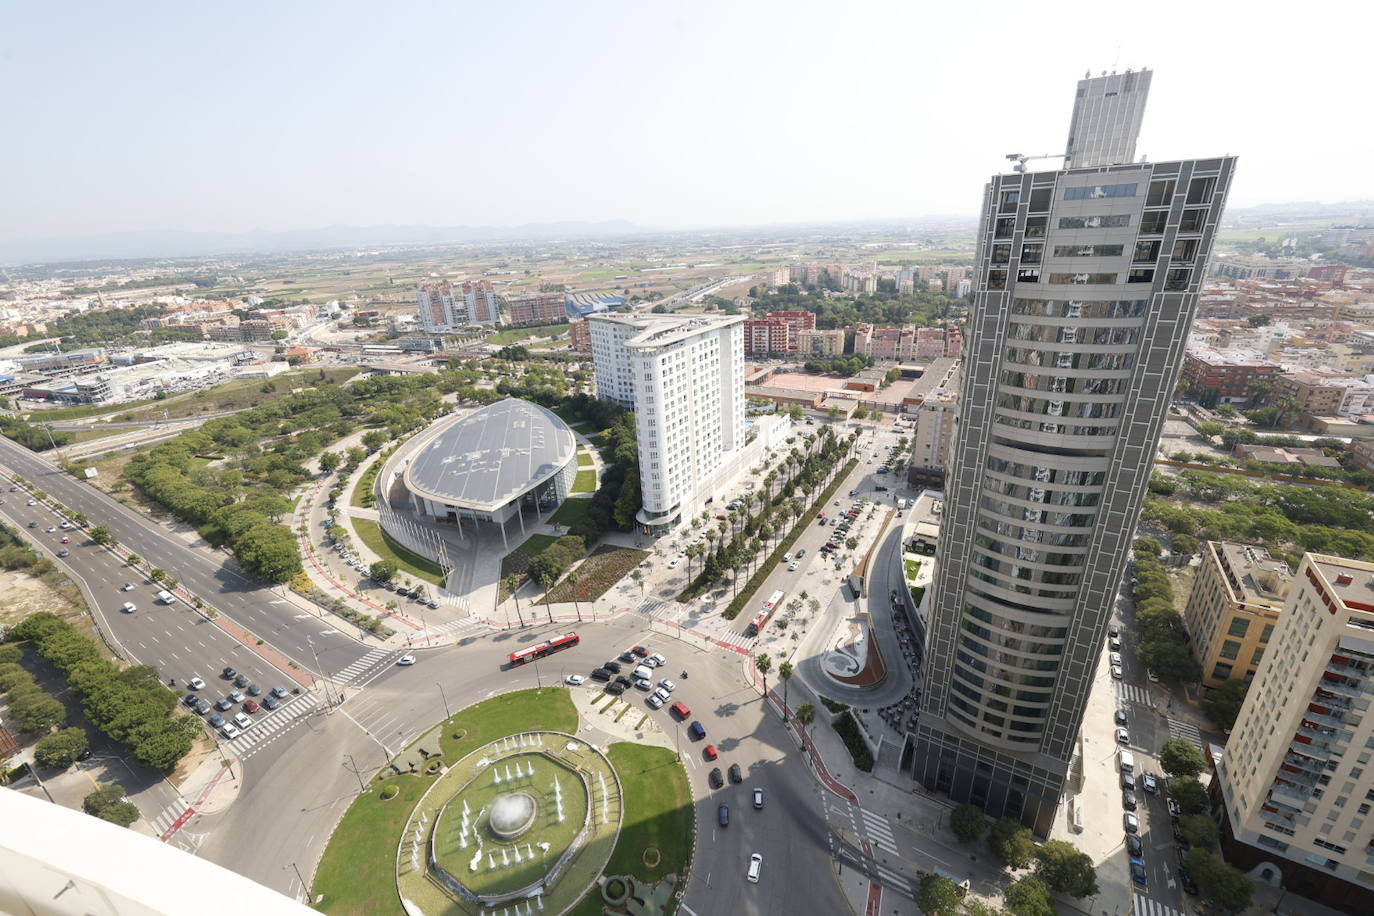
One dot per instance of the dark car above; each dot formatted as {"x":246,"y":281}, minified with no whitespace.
{"x":254,"y":690}
{"x":735,"y":775}
{"x":270,"y":702}
{"x":881,"y":489}
{"x":1185,"y":878}
{"x":622,"y":680}
{"x":1121,"y":717}
{"x":612,"y":666}
{"x":615,"y":690}
{"x":64,"y":552}
{"x":1138,"y":872}
{"x":696,"y":731}
{"x":801,"y":553}
{"x":190,"y":700}
{"x":627,"y":656}
{"x":223,"y":703}
{"x":33,"y":524}
{"x":600,"y":674}
{"x":1128,"y":800}
{"x":216,"y":720}
{"x":716,"y":779}
{"x":241,"y":681}
{"x":1134,"y":846}
{"x":228,"y":673}
{"x":724,"y":815}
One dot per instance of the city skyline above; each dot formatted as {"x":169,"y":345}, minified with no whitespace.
{"x":663,"y":120}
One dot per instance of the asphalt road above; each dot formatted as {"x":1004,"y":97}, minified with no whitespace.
{"x":256,"y":837}
{"x":204,"y":571}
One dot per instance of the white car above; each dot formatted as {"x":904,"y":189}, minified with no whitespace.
{"x":1116,"y":672}
{"x":242,"y":720}
{"x":229,"y":731}
{"x":127,"y":587}
{"x":129,"y":607}
{"x":1148,"y":781}
{"x":33,"y":502}
{"x":406,"y":660}
{"x":1123,"y":736}
{"x":654,"y":701}
{"x":755,"y":867}
{"x":196,"y":683}
{"x":656,"y":661}
{"x":792,"y":567}
{"x":66,"y":525}
{"x":1116,"y":658}
{"x":1154,"y":678}
{"x":667,"y":685}
{"x":1132,"y":823}
{"x":573,"y":680}
{"x":786,"y":557}
{"x":672,"y":564}
{"x":662,"y":696}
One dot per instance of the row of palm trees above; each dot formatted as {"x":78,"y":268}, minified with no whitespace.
{"x":804,"y":713}
{"x":750,"y":530}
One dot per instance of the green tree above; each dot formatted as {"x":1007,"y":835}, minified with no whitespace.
{"x":1181,"y":758}
{"x":1184,"y":543}
{"x":330,"y":461}
{"x":1222,"y":704}
{"x":1208,"y":428}
{"x":1029,"y":897}
{"x":165,"y":747}
{"x":1200,"y":830}
{"x":939,"y":896}
{"x":975,"y":907}
{"x":268,"y":552}
{"x":968,"y":823}
{"x":1010,"y":843}
{"x":1190,"y":795}
{"x":806,"y":714}
{"x":60,"y":749}
{"x":1061,"y":866}
{"x":764,"y":662}
{"x":121,"y":812}
{"x":1225,"y":886}
{"x":101,"y":535}
{"x":374,"y":439}
{"x":103,"y":797}
{"x":1170,"y":659}
{"x":35,"y":711}
{"x":383,"y":570}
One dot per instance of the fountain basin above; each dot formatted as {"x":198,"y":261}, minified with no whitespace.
{"x":512,"y":814}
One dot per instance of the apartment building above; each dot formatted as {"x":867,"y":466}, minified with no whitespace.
{"x":545,"y":308}
{"x":684,"y":379}
{"x":479,"y":303}
{"x":438,"y":310}
{"x":1295,"y":785}
{"x":822,"y":344}
{"x":1316,"y":392}
{"x":1087,"y":281}
{"x":936,"y":415}
{"x":1233,"y":608}
{"x":886,"y":343}
{"x":581,"y":333}
{"x":1216,"y":377}
{"x":776,"y":332}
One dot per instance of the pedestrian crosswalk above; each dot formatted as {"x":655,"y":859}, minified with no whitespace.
{"x":1132,"y":693}
{"x":878,"y":831}
{"x":459,"y":628}
{"x":366,"y":663}
{"x":1185,"y":730}
{"x":168,"y":818}
{"x":1144,"y":906}
{"x":663,"y":610}
{"x":736,"y":639}
{"x":270,"y":725}
{"x":892,"y":880}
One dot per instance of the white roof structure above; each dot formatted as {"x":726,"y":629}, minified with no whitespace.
{"x":484,"y":460}
{"x":57,"y":861}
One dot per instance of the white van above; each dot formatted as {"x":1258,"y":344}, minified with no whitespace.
{"x":755,"y":867}
{"x":644,"y":672}
{"x":166,"y":597}
{"x":1127,"y":761}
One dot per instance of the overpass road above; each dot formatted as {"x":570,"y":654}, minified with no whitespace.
{"x":300,"y":636}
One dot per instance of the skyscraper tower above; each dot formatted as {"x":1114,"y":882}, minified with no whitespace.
{"x":1086,"y":285}
{"x":1107,"y":112}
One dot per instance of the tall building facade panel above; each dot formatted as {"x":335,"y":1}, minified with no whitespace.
{"x":1087,"y":283}
{"x":1107,"y":113}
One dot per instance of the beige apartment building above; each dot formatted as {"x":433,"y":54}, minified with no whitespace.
{"x":824,"y":344}
{"x":1233,"y":608}
{"x":1296,"y":780}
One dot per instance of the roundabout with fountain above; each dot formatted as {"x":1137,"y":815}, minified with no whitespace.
{"x":520,"y":825}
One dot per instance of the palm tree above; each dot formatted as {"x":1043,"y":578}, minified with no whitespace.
{"x":694,"y":550}
{"x":764,"y":663}
{"x":572,"y":579}
{"x":806,"y":714}
{"x":513,"y":586}
{"x":638,"y":576}
{"x":785,"y":673}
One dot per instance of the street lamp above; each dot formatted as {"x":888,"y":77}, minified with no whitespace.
{"x":447,"y":714}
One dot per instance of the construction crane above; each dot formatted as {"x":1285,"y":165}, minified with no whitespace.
{"x":1021,"y":159}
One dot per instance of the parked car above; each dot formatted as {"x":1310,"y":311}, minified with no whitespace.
{"x":667,"y":685}
{"x":127,"y":587}
{"x":1128,"y":800}
{"x":196,"y":682}
{"x":644,"y":683}
{"x":279,"y":692}
{"x":656,"y":661}
{"x":1132,"y":822}
{"x":723,"y":815}
{"x":251,"y":706}
{"x":270,"y":702}
{"x":1148,"y":781}
{"x":792,"y":567}
{"x":735,"y":775}
{"x":758,"y":799}
{"x":190,"y":700}
{"x":654,"y":701}
{"x":216,"y":720}
{"x":229,"y":731}
{"x":696,"y":731}
{"x":573,"y":680}
{"x":228,"y":673}
{"x":1138,"y":872}
{"x":1121,"y":717}
{"x":223,"y":703}
{"x":755,"y":860}
{"x":129,"y":607}
{"x":614,"y":689}
{"x":1134,"y":846}
{"x":639,"y":650}
{"x":1127,"y":781}
{"x":710,"y":752}
{"x":612,"y":666}
{"x":254,"y":690}
{"x":716,"y":779}
{"x":1122,"y":736}
{"x":201,"y":706}
{"x":1185,"y":878}
{"x":600,"y":674}
{"x":236,"y":696}
{"x":242,"y":721}
{"x":623,"y":681}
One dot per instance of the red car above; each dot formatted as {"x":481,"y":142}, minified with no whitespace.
{"x":66,"y":540}
{"x":251,"y":706}
{"x":640,"y":651}
{"x":710,"y":752}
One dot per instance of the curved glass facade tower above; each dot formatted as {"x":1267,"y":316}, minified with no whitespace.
{"x":1087,"y":283}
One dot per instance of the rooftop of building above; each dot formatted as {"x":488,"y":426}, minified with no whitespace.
{"x":1215,"y":357}
{"x":1352,"y":581}
{"x":662,"y":330}
{"x":487,"y":458}
{"x":1255,"y":576}
{"x":939,"y":374}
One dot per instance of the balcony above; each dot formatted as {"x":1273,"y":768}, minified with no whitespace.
{"x":1317,"y":751}
{"x":1346,"y":686}
{"x":1333,"y":720}
{"x":1331,"y":700}
{"x":1292,"y":796}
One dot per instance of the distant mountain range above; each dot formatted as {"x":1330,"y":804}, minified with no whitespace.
{"x":170,"y":244}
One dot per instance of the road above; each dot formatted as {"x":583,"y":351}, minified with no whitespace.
{"x":206,"y":572}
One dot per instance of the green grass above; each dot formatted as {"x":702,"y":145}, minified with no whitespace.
{"x":515,"y":335}
{"x":571,"y":512}
{"x":362,"y":495}
{"x":239,"y":394}
{"x":371,"y":534}
{"x":912,"y":568}
{"x":606,"y":566}
{"x":658,"y":811}
{"x":85,"y":410}
{"x":100,"y":432}
{"x":357,"y":874}
{"x":584,"y":460}
{"x":518,"y":560}
{"x":585,"y":482}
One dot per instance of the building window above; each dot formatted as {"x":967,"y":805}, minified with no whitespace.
{"x":1142,"y":275}
{"x":997,"y":279}
{"x":1238,"y":627}
{"x":1035,"y":227}
{"x":1099,"y":192}
{"x":1193,"y":220}
{"x":1109,"y":221}
{"x":1147,"y":251}
{"x":1161,"y":193}
{"x":1255,"y":659}
{"x":1222,"y":671}
{"x":1006,"y":225}
{"x":1268,"y":631}
{"x":1185,"y":251}
{"x":1009,"y":201}
{"x":1082,"y":279}
{"x":1088,"y":251}
{"x":1001,"y":254}
{"x":1177,"y":279}
{"x":1028,"y":276}
{"x":1153,"y":222}
{"x":1030,"y":254}
{"x":1040,"y":199}
{"x":1230,"y":649}
{"x":1200,"y":190}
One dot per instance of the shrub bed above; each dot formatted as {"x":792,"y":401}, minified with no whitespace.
{"x":848,"y":729}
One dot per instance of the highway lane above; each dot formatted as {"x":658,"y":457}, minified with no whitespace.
{"x":311,"y":775}
{"x":206,"y":572}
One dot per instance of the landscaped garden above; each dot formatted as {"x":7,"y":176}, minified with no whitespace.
{"x":507,"y":796}
{"x":585,"y":482}
{"x":606,"y":566}
{"x":408,"y":561}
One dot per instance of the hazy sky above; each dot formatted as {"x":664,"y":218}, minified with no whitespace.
{"x":290,"y":115}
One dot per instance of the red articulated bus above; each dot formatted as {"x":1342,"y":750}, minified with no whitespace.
{"x":757,"y":622}
{"x":534,"y":653}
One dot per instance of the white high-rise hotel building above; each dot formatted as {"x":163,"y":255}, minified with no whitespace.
{"x":684,"y":379}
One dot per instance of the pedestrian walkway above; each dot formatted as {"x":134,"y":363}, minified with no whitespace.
{"x":736,"y":639}
{"x":459,"y":628}
{"x":277,"y":723}
{"x":1144,"y":906}
{"x":663,"y":610}
{"x":878,"y":831}
{"x":1185,"y":730}
{"x":374,"y":658}
{"x":168,"y":818}
{"x":1132,"y":693}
